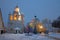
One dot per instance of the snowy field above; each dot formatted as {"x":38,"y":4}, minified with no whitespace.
{"x":7,"y":36}
{"x":56,"y":35}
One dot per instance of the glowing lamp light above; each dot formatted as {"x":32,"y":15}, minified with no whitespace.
{"x":41,"y":27}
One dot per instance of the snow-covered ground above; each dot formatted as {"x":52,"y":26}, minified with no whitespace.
{"x":57,"y":35}
{"x":7,"y":36}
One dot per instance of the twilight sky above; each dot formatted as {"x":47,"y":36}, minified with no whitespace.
{"x":41,"y":8}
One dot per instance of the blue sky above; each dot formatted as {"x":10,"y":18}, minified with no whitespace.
{"x":41,"y":8}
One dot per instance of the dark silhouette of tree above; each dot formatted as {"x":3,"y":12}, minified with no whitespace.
{"x":56,"y":23}
{"x":59,"y":17}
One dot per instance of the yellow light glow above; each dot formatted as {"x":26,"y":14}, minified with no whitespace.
{"x":31,"y":24}
{"x":11,"y":17}
{"x":41,"y":27}
{"x":19,"y":18}
{"x":17,"y":9}
{"x":15,"y":18}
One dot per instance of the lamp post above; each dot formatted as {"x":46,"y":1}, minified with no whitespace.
{"x":35,"y":30}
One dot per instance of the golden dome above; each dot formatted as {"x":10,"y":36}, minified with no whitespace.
{"x":17,"y":9}
{"x":11,"y":17}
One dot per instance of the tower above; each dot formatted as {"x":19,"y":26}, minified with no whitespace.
{"x":1,"y":23}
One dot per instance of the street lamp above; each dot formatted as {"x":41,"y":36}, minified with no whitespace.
{"x":41,"y":27}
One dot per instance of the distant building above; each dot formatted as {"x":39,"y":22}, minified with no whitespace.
{"x":16,"y":21}
{"x":1,"y":23}
{"x":56,"y":25}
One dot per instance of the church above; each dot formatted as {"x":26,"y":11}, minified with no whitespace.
{"x":16,"y":21}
